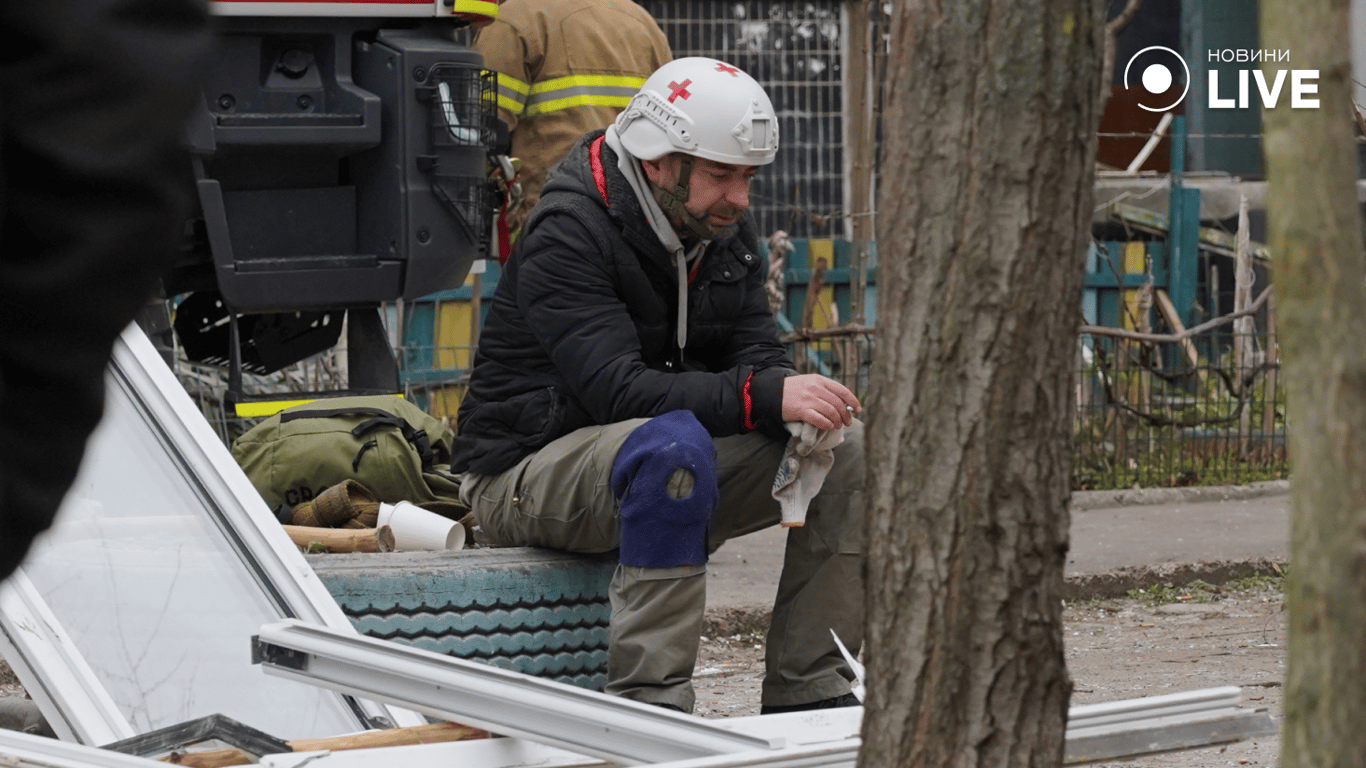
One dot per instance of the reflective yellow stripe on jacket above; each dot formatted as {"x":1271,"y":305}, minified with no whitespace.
{"x":487,"y":8}
{"x":580,"y":91}
{"x":512,"y":93}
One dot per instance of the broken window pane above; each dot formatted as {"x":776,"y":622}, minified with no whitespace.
{"x":142,"y":571}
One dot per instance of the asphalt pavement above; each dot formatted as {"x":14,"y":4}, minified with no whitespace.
{"x":1119,"y":540}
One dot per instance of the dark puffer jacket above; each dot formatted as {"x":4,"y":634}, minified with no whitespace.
{"x":582,"y":327}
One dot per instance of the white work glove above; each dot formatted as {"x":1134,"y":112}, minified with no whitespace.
{"x":806,"y":461}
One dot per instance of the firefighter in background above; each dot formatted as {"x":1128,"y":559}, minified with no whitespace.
{"x":565,"y":67}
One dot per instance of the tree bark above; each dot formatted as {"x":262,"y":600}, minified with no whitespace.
{"x":983,"y":222}
{"x":1315,"y":236}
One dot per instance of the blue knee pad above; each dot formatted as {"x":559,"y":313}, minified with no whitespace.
{"x":657,"y":530}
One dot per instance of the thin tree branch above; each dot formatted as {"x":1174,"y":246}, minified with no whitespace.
{"x":807,"y":334}
{"x":1112,"y":29}
{"x":1101,"y":330}
{"x":1115,"y":398}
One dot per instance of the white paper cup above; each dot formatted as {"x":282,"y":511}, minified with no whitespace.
{"x":415,"y":528}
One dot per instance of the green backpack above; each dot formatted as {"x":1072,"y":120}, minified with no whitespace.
{"x":385,"y":443}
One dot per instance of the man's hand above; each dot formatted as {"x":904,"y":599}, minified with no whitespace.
{"x":823,"y":403}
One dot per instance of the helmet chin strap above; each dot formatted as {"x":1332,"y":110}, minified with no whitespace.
{"x":672,"y":201}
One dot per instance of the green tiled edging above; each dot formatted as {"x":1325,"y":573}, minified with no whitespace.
{"x":536,"y":611}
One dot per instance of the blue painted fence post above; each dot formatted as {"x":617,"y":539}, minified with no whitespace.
{"x":1183,"y":233}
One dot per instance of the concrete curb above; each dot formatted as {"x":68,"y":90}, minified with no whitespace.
{"x":749,"y":619}
{"x":753,"y":619}
{"x":1128,"y":497}
{"x":1118,"y":583}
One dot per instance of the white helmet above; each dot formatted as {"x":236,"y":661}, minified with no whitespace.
{"x":701,"y":107}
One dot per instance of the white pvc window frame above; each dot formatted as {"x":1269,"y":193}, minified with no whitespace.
{"x":44,"y":655}
{"x":52,"y":671}
{"x":498,"y":700}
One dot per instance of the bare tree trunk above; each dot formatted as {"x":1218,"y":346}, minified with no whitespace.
{"x":1315,"y":233}
{"x":984,"y":217}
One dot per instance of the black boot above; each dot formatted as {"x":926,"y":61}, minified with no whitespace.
{"x":847,"y":700}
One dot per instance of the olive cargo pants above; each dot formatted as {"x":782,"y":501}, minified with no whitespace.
{"x":561,"y":498}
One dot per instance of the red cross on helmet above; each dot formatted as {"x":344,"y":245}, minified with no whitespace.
{"x":701,"y":107}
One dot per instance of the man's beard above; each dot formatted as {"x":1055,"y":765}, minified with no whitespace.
{"x":714,"y":232}
{"x":720,"y":233}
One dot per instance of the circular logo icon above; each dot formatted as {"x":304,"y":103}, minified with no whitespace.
{"x":1158,"y":73}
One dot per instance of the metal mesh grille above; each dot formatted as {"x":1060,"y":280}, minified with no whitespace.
{"x":795,"y":51}
{"x":458,"y":98}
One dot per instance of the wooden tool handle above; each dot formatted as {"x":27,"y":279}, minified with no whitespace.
{"x":343,"y":539}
